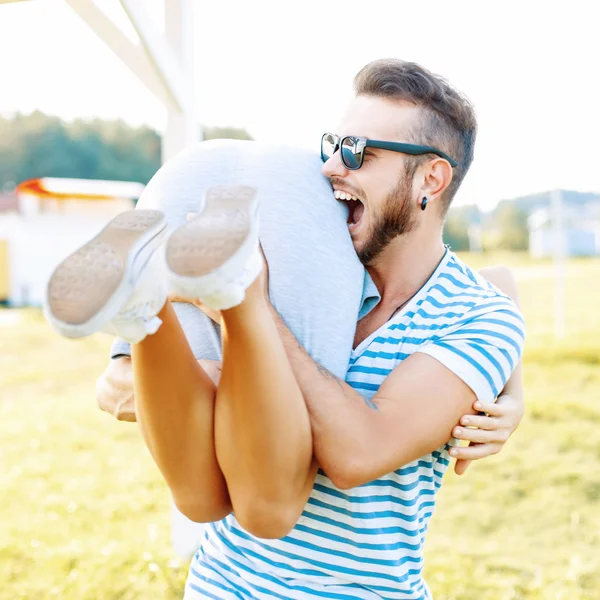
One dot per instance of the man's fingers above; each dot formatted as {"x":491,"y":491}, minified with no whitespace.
{"x":491,"y":408}
{"x":129,"y":417}
{"x":121,"y":412}
{"x":460,"y":466}
{"x":475,"y":452}
{"x":488,"y":423}
{"x":212,"y":314}
{"x":480,"y":436}
{"x":184,"y":300}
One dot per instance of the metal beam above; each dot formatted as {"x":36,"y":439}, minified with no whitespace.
{"x":165,"y":63}
{"x":132,"y":55}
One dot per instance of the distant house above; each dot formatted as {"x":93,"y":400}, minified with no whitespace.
{"x":581,"y":231}
{"x":46,"y":221}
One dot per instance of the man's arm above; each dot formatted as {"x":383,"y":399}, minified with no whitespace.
{"x":417,"y":405}
{"x":115,"y":395}
{"x":356,"y":441}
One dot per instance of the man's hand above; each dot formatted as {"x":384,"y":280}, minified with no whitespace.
{"x":211,"y":313}
{"x":491,"y":431}
{"x":114,"y":388}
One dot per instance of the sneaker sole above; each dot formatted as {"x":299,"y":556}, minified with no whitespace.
{"x":89,"y":287}
{"x":208,"y":254}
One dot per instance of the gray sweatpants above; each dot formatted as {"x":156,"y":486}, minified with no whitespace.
{"x":316,"y":280}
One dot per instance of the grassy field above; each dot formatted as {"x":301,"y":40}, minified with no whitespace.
{"x":84,"y":514}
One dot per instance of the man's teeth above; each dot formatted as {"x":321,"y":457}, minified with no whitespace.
{"x":343,"y":195}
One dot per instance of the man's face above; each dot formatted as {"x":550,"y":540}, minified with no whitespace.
{"x":385,"y":207}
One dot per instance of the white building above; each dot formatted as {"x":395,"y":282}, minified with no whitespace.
{"x":580,"y":230}
{"x":54,"y":217}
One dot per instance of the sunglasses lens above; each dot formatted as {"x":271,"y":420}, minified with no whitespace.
{"x":328,"y":146}
{"x":350,"y":154}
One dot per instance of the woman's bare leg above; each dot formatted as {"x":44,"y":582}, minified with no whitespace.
{"x":175,"y":401}
{"x":252,"y":449}
{"x":262,"y":428}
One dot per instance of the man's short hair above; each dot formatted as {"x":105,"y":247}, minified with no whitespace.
{"x":449,"y":122}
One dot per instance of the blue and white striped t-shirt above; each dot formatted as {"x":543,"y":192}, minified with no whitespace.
{"x":367,"y":542}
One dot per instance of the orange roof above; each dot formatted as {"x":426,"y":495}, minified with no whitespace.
{"x":80,"y":189}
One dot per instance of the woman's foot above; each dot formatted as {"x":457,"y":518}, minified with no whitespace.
{"x":215,"y":256}
{"x":115,"y":283}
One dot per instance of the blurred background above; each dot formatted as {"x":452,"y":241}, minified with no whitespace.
{"x":95,"y":94}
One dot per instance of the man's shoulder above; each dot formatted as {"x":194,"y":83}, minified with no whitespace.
{"x":462,"y":294}
{"x":475,"y":330}
{"x":460,"y":280}
{"x":466,"y":287}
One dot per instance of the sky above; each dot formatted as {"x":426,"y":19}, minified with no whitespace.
{"x":283,"y":71}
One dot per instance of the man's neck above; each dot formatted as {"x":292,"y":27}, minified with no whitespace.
{"x":405,"y":265}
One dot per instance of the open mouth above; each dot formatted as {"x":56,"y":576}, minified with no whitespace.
{"x":355,"y":206}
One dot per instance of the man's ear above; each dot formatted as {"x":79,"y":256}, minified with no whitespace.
{"x":437,"y":176}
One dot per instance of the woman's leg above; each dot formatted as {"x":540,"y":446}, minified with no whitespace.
{"x":260,"y":422}
{"x":262,"y":428}
{"x":117,"y":282}
{"x":175,"y":403}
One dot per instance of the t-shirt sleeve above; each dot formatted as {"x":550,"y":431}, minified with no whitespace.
{"x":484,"y":349}
{"x":202,"y":334}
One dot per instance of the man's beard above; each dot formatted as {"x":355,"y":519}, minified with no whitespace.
{"x":397,"y":218}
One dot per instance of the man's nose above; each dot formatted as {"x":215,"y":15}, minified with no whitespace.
{"x":334,"y":166}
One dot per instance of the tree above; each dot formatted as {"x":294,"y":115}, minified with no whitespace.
{"x":38,"y":145}
{"x":229,"y":133}
{"x":456,"y":233}
{"x":456,"y":227}
{"x":511,"y":225}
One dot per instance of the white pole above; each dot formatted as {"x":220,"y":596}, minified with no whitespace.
{"x":183,"y":128}
{"x":559,"y":264}
{"x":132,"y":55}
{"x":172,"y":56}
{"x":165,"y":66}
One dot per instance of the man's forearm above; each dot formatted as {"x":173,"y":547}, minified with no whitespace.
{"x":339,"y":415}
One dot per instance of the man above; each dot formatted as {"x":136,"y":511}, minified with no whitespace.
{"x":438,"y":338}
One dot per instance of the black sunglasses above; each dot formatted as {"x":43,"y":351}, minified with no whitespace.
{"x":352,"y":149}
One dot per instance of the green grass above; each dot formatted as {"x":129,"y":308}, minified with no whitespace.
{"x":84,"y":514}
{"x":83,"y":511}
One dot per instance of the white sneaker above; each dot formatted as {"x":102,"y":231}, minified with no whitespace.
{"x":216,"y":256}
{"x":115,"y":283}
